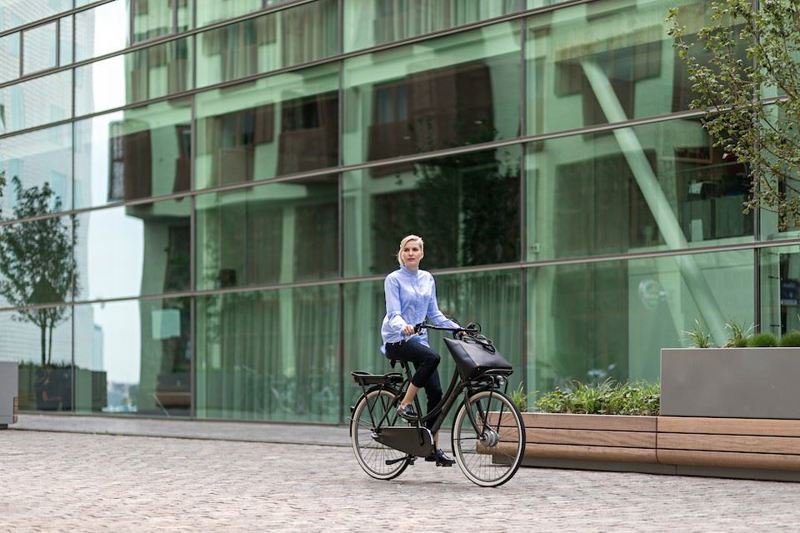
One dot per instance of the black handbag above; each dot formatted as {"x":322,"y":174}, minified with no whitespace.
{"x":474,"y":354}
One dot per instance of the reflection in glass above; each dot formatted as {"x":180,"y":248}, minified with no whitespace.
{"x":151,"y":19}
{"x":780,"y":290}
{"x":134,"y":357}
{"x":14,"y":13}
{"x":39,"y":44}
{"x":41,"y":341}
{"x":282,"y":39}
{"x":133,"y":154}
{"x":134,"y":250}
{"x":101,"y":30}
{"x":269,"y":355}
{"x":489,"y":298}
{"x":269,"y":127}
{"x":611,"y":319}
{"x":208,"y":12}
{"x":37,"y":265}
{"x":373,"y":22}
{"x":647,"y":187}
{"x":65,"y":41}
{"x":9,"y":57}
{"x":605,"y":62}
{"x":38,"y":158}
{"x":275,"y":233}
{"x":153,"y":72}
{"x":36,"y":102}
{"x":453,"y":91}
{"x":465,"y":207}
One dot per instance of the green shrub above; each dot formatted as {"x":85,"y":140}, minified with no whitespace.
{"x":605,"y":398}
{"x":738,"y":335}
{"x":762,"y":340}
{"x":519,"y":397}
{"x":791,"y":339}
{"x":699,"y":335}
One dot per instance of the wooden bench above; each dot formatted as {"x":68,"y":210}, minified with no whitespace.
{"x":729,"y":442}
{"x":591,"y":437}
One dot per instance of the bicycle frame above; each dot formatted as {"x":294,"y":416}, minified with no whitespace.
{"x":400,"y":437}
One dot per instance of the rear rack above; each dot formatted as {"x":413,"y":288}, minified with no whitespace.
{"x":365,"y":378}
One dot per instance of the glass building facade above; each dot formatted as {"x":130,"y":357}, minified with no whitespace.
{"x":201,"y":198}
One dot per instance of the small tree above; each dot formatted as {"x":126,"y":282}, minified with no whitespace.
{"x":752,"y":103}
{"x":36,"y":262}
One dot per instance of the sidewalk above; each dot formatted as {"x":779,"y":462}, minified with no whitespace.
{"x":278,"y":433}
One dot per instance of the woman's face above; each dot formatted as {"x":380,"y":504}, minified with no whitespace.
{"x":412,"y":254}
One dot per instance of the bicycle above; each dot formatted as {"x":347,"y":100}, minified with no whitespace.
{"x":488,"y":435}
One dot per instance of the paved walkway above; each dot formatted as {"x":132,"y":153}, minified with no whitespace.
{"x":55,"y":481}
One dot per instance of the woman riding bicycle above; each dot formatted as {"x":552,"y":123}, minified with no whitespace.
{"x":410,"y":298}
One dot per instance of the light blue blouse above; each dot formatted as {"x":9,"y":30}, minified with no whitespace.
{"x":410,"y":297}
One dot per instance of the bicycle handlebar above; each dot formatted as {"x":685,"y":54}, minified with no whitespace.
{"x":471,"y":328}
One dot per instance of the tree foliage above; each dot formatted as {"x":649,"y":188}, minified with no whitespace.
{"x":750,"y":98}
{"x":37,"y":265}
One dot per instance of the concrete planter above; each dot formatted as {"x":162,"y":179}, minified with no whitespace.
{"x":730,"y":382}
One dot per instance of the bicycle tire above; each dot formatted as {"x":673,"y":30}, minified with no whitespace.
{"x":370,"y":454}
{"x":491,"y":459}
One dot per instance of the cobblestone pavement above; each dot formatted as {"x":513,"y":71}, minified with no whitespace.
{"x":83,"y":482}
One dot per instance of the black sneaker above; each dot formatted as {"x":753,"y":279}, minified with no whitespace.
{"x":440,"y":457}
{"x":407,"y":413}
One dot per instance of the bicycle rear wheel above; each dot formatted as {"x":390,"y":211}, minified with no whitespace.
{"x":371,"y":455}
{"x":489,"y":445}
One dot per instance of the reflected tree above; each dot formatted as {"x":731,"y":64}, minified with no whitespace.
{"x":36,"y":261}
{"x":752,"y":106}
{"x":467,"y":204}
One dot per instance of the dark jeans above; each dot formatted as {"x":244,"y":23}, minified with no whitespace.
{"x":425,"y":361}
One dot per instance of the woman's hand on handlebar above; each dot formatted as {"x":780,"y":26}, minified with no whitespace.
{"x":408,"y":330}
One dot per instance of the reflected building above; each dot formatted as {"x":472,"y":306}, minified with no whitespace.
{"x":239,"y":175}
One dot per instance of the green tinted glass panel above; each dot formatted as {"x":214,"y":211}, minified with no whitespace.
{"x":133,"y":357}
{"x":590,"y":322}
{"x":452,"y":91}
{"x":779,"y":141}
{"x":269,"y":127}
{"x":465,"y":207}
{"x":489,"y":298}
{"x":131,"y":154}
{"x":780,"y":289}
{"x":134,"y":250}
{"x":44,"y":355}
{"x":208,"y":12}
{"x":151,"y":19}
{"x":282,"y":39}
{"x":37,"y":265}
{"x":269,"y":355}
{"x":102,"y":30}
{"x":373,"y":22}
{"x":653,"y":187}
{"x":605,"y":62}
{"x":37,"y":159}
{"x":36,"y":102}
{"x":153,"y":72}
{"x":275,"y":233}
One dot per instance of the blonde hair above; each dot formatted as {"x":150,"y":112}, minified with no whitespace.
{"x":405,"y":241}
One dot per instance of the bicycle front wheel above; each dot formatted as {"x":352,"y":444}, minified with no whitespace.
{"x":488,"y":438}
{"x":377,"y":460}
